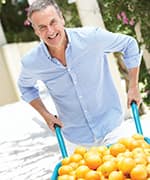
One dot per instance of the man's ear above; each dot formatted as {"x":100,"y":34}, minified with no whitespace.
{"x":35,"y":31}
{"x":62,"y":18}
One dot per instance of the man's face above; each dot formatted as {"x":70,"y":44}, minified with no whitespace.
{"x":48,"y":25}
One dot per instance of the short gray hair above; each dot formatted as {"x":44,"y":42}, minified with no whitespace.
{"x":38,"y":5}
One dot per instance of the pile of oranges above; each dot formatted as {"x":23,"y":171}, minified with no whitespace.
{"x":127,"y":159}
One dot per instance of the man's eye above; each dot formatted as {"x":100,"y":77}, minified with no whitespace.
{"x":42,"y":28}
{"x":53,"y":22}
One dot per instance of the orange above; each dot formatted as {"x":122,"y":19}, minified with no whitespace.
{"x":92,"y":175}
{"x":127,"y":142}
{"x":66,"y":177}
{"x":107,"y":157}
{"x":75,"y":157}
{"x":103,"y":150}
{"x":93,"y":148}
{"x":132,"y":144}
{"x":144,"y":144}
{"x":116,"y":175}
{"x":126,"y":164}
{"x":81,"y":162}
{"x":148,"y":169}
{"x":128,"y":154}
{"x":107,"y":167}
{"x":65,"y":161}
{"x":74,"y":165}
{"x":80,"y":150}
{"x":65,"y":169}
{"x":73,"y":173}
{"x":139,"y":172}
{"x":140,"y":160}
{"x":123,"y":141}
{"x":148,"y":158}
{"x":92,"y":160}
{"x":147,"y":151}
{"x":117,"y":148}
{"x":137,"y":150}
{"x":81,"y":171}
{"x":138,"y":136}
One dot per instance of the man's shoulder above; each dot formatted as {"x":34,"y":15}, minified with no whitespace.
{"x":82,"y":30}
{"x":83,"y":35}
{"x":33,"y":54}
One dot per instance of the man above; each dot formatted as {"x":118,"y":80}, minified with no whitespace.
{"x":73,"y":65}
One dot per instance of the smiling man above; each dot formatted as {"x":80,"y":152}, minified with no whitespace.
{"x":72,"y":63}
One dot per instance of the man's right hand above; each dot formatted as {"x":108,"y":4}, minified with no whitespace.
{"x":51,"y":120}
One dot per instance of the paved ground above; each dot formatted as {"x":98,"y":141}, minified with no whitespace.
{"x":28,"y":150}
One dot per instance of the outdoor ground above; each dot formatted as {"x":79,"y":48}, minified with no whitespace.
{"x":28,"y":150}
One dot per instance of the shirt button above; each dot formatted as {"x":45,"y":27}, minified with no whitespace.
{"x":80,"y":97}
{"x":69,"y":69}
{"x":85,"y":111}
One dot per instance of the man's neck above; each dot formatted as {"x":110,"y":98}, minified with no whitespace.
{"x":59,"y":52}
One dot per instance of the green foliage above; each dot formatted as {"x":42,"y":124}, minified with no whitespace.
{"x":134,"y":9}
{"x":145,"y":79}
{"x":13,"y":18}
{"x":70,"y":13}
{"x":121,"y":16}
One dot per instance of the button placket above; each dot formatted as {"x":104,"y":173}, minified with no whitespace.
{"x":81,"y":100}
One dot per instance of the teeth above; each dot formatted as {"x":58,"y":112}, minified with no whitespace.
{"x":51,"y":37}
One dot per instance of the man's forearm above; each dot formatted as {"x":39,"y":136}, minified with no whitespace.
{"x":40,"y":107}
{"x":133,"y":91}
{"x":133,"y":77}
{"x":50,"y":119}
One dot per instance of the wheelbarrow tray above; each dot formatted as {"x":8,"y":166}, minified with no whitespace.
{"x":55,"y":172}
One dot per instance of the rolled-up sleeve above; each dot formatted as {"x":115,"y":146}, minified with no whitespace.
{"x":27,"y":85}
{"x":116,"y":42}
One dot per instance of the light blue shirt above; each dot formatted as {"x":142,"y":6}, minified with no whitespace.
{"x":83,"y":92}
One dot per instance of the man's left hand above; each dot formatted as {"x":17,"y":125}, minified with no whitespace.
{"x":134,"y":95}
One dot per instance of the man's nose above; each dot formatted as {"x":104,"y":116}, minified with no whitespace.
{"x":50,"y":28}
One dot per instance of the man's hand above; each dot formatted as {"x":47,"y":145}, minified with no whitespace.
{"x":134,"y":95}
{"x":51,"y":120}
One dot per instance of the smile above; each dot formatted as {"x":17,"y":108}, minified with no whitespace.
{"x":52,"y":37}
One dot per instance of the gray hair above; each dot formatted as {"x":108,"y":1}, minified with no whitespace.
{"x":38,"y":5}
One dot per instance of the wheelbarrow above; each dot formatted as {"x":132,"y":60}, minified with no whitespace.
{"x":63,"y":147}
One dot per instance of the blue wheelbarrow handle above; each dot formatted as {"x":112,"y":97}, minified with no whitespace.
{"x":136,"y":118}
{"x":137,"y":121}
{"x":60,"y":141}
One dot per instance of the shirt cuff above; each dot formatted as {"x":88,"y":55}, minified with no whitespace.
{"x":133,"y":61}
{"x":28,"y":97}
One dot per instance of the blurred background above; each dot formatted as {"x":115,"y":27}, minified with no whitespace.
{"x":28,"y":150}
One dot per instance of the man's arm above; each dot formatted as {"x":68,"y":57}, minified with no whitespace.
{"x":49,"y":118}
{"x":133,"y":91}
{"x":127,"y":45}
